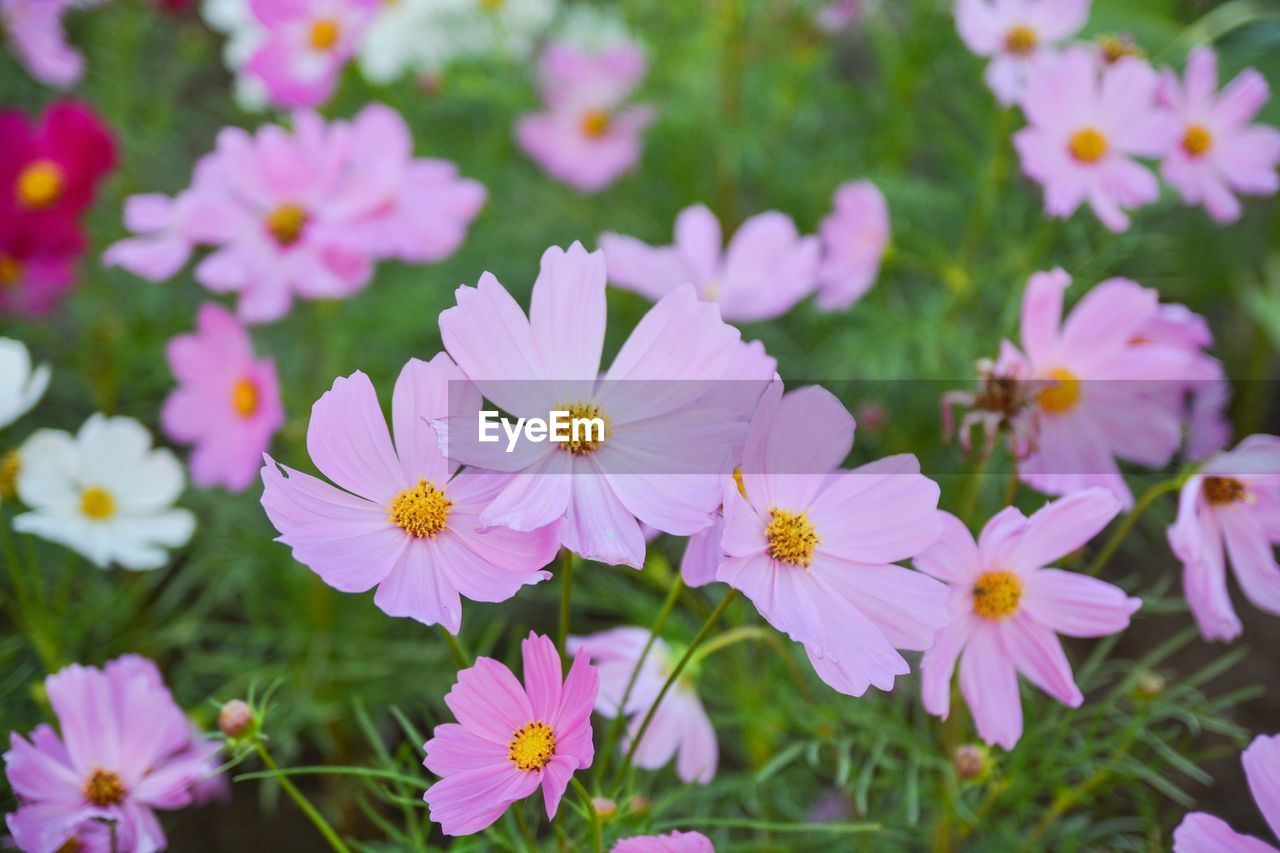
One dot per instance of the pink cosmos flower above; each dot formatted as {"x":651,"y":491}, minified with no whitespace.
{"x":1204,"y":833}
{"x":510,"y":739}
{"x":305,"y":45}
{"x":227,"y":402}
{"x":1007,"y":609}
{"x":1230,"y":509}
{"x":854,"y":238}
{"x":401,"y":517}
{"x":1016,"y":33}
{"x":672,"y":842}
{"x":1221,"y":151}
{"x":765,"y":270}
{"x":662,"y":447}
{"x":1086,"y":124}
{"x":838,"y":15}
{"x":34,"y":31}
{"x":813,"y":545}
{"x":587,"y":137}
{"x":680,"y":728}
{"x":126,"y":749}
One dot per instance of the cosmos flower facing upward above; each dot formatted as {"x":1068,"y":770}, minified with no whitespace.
{"x":34,"y":32}
{"x":21,"y":384}
{"x":1204,"y":833}
{"x":305,"y":45}
{"x":673,"y":842}
{"x":1013,"y":34}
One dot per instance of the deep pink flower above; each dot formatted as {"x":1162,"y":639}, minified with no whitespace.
{"x":854,"y":238}
{"x":813,"y":545}
{"x":33,"y":29}
{"x":125,"y":749}
{"x":1086,"y":123}
{"x":227,"y":402}
{"x":680,"y":728}
{"x":587,"y":137}
{"x":305,"y":45}
{"x":1016,"y":33}
{"x":1007,"y":609}
{"x":33,"y":278}
{"x":1204,"y":833}
{"x":673,"y":842}
{"x":765,"y":270}
{"x":1230,"y":510}
{"x":510,"y":739}
{"x":1221,"y":151}
{"x":401,"y":517}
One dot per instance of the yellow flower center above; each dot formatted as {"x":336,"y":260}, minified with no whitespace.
{"x":596,"y":123}
{"x":996,"y":595}
{"x":10,"y":271}
{"x":1088,"y":145}
{"x":422,"y":511}
{"x":104,"y":788}
{"x":1220,"y":491}
{"x":97,"y":503}
{"x":1197,"y":141}
{"x":286,"y":222}
{"x":40,"y":185}
{"x":10,"y":465}
{"x":1063,"y":395}
{"x":491,"y":5}
{"x":532,"y":746}
{"x":582,"y":417}
{"x":244,"y":397}
{"x":1021,"y":40}
{"x":71,"y":845}
{"x":1116,"y":48}
{"x":324,"y":34}
{"x":791,"y":536}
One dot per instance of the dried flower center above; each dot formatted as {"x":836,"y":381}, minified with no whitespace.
{"x":791,"y":536}
{"x":1220,"y":491}
{"x":10,"y":271}
{"x":71,"y":845}
{"x":97,"y":503}
{"x":1021,"y":40}
{"x":996,"y":595}
{"x":1197,"y":141}
{"x":286,"y":222}
{"x":324,"y":34}
{"x":1116,"y":48}
{"x":1088,"y":145}
{"x":10,"y":465}
{"x":596,"y":123}
{"x":40,"y":185}
{"x":1063,"y":395}
{"x":104,"y":788}
{"x":422,"y":511}
{"x":589,"y":427}
{"x":245,"y":397}
{"x":532,"y":746}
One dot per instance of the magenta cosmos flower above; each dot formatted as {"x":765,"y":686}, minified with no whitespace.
{"x":33,"y":29}
{"x":680,"y":728}
{"x":1204,"y":833}
{"x":510,"y":739}
{"x":672,"y":842}
{"x":305,"y":45}
{"x":813,"y":545}
{"x":401,"y":518}
{"x":1087,"y":121}
{"x":126,"y":749}
{"x":854,"y":238}
{"x":1013,"y":34}
{"x":587,"y":137}
{"x":227,"y":402}
{"x":1221,"y":152}
{"x":662,"y":449}
{"x":1230,"y":510}
{"x":765,"y":270}
{"x":33,"y":277}
{"x":1007,"y":609}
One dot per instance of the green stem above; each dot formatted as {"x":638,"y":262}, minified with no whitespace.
{"x":456,"y":647}
{"x":728,"y":638}
{"x":597,"y":828}
{"x":566,"y":586}
{"x":302,"y":802}
{"x":1144,"y":503}
{"x":968,"y":504}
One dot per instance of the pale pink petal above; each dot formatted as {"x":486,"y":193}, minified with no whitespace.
{"x":953,"y":557}
{"x":1075,"y":604}
{"x":881,"y":512}
{"x":597,"y":526}
{"x":1041,"y":314}
{"x":1204,"y":833}
{"x":1038,"y":655}
{"x":1063,"y":526}
{"x":466,"y":803}
{"x":989,"y":683}
{"x":1252,"y":558}
{"x":347,"y":439}
{"x":698,"y":241}
{"x":939,"y":663}
{"x":567,"y":314}
{"x":489,"y":701}
{"x":417,"y":587}
{"x":1262,"y":768}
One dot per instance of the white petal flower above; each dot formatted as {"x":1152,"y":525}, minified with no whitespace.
{"x":408,"y":36}
{"x":105,"y":493}
{"x":21,"y":387}
{"x":235,"y":19}
{"x":506,"y":27}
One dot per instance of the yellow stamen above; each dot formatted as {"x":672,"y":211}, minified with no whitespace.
{"x":589,"y":435}
{"x":10,"y":465}
{"x":1021,"y":40}
{"x":596,"y":123}
{"x":996,"y":595}
{"x":1197,"y":141}
{"x":324,"y":34}
{"x":286,"y":222}
{"x":97,"y":503}
{"x":244,"y":397}
{"x":1063,"y":395}
{"x":422,"y":511}
{"x":792,"y":538}
{"x":104,"y":788}
{"x":1220,"y":491}
{"x":40,"y":185}
{"x":1088,"y":145}
{"x":737,"y":478}
{"x":532,"y":746}
{"x":1116,"y":48}
{"x":10,"y":271}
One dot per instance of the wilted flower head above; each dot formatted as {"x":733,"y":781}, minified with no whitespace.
{"x":21,"y":383}
{"x":1003,"y":403}
{"x":971,"y":761}
{"x":1204,"y":833}
{"x":1016,"y":33}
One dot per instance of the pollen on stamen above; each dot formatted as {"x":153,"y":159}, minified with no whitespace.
{"x":1088,"y":145}
{"x":103,"y":788}
{"x":596,"y":123}
{"x":1220,"y":491}
{"x":1062,"y":394}
{"x":324,"y":34}
{"x":532,"y":746}
{"x":996,"y":595}
{"x":97,"y":503}
{"x":286,"y":223}
{"x":422,"y":511}
{"x":1197,"y":141}
{"x":792,"y":537}
{"x":40,"y":185}
{"x":1021,"y":40}
{"x":590,"y":436}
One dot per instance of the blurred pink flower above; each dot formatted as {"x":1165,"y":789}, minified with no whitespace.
{"x":1014,"y":34}
{"x":305,"y":45}
{"x":1221,"y":151}
{"x":1086,"y":123}
{"x":812,"y":545}
{"x":838,"y":15}
{"x":34,"y":31}
{"x":1204,"y":833}
{"x":680,"y":727}
{"x":1230,"y":509}
{"x":587,"y":137}
{"x":227,"y":402}
{"x":765,"y":270}
{"x":510,"y":739}
{"x":126,"y":749}
{"x":401,"y":517}
{"x":1007,"y":609}
{"x":855,"y":236}
{"x":673,"y":842}
{"x":33,"y":278}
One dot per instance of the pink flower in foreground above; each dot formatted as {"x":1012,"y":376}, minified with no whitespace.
{"x":305,"y":46}
{"x":227,"y":402}
{"x":510,"y":739}
{"x":672,"y":842}
{"x":813,"y":545}
{"x":1007,"y":609}
{"x":1086,"y":124}
{"x":854,"y":238}
{"x":125,"y":749}
{"x":587,"y":137}
{"x":1204,"y":833}
{"x":401,"y":517}
{"x":1014,"y":34}
{"x":1221,"y":151}
{"x":680,"y":728}
{"x":33,"y":29}
{"x":1230,"y":510}
{"x":765,"y":270}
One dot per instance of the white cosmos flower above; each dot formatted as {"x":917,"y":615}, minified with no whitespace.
{"x":408,"y":36}
{"x":104,"y":492}
{"x":235,"y":20}
{"x":506,"y":27}
{"x":21,"y":387}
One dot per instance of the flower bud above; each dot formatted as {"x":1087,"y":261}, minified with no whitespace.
{"x":639,"y":805}
{"x":605,"y":807}
{"x":1148,"y":684}
{"x":971,"y":761}
{"x":235,"y":719}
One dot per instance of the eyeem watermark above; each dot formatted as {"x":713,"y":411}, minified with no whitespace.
{"x":562,"y":428}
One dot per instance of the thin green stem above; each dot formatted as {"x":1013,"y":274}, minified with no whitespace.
{"x":597,"y":827}
{"x":302,"y":802}
{"x":459,"y":655}
{"x":969,"y":500}
{"x":1118,"y":536}
{"x":566,"y":587}
{"x":728,"y":638}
